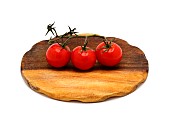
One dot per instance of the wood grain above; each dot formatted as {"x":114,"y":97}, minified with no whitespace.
{"x":97,"y":84}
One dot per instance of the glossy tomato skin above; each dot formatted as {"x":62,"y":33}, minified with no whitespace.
{"x":58,"y":56}
{"x":109,"y":56}
{"x":83,"y":60}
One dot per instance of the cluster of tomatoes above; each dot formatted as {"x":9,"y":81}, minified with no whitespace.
{"x":83,"y":57}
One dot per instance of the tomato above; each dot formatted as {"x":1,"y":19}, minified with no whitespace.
{"x":57,"y":56}
{"x":83,"y":59}
{"x":109,"y":55}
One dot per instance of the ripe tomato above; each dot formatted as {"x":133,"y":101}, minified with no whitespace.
{"x":108,"y":55}
{"x":83,"y":59}
{"x":57,"y":56}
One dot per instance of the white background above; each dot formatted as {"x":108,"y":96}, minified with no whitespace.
{"x":143,"y":23}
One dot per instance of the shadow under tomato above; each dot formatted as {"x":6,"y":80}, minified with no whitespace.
{"x":97,"y":66}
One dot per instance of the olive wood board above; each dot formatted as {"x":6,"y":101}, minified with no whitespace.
{"x":95,"y":85}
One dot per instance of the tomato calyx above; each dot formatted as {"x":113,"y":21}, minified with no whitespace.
{"x":108,"y":44}
{"x":70,"y":33}
{"x":51,"y":29}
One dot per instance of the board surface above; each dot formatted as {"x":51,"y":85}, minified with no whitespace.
{"x":94,"y":85}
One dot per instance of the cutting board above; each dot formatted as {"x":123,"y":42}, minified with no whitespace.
{"x":95,"y":85}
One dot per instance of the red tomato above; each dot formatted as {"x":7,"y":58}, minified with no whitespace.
{"x":108,"y":56}
{"x":83,"y":59}
{"x":57,"y":56}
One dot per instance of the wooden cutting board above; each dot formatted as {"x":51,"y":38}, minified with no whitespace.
{"x":97,"y":84}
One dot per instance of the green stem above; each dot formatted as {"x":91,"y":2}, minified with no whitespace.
{"x":65,"y":42}
{"x":84,"y":47}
